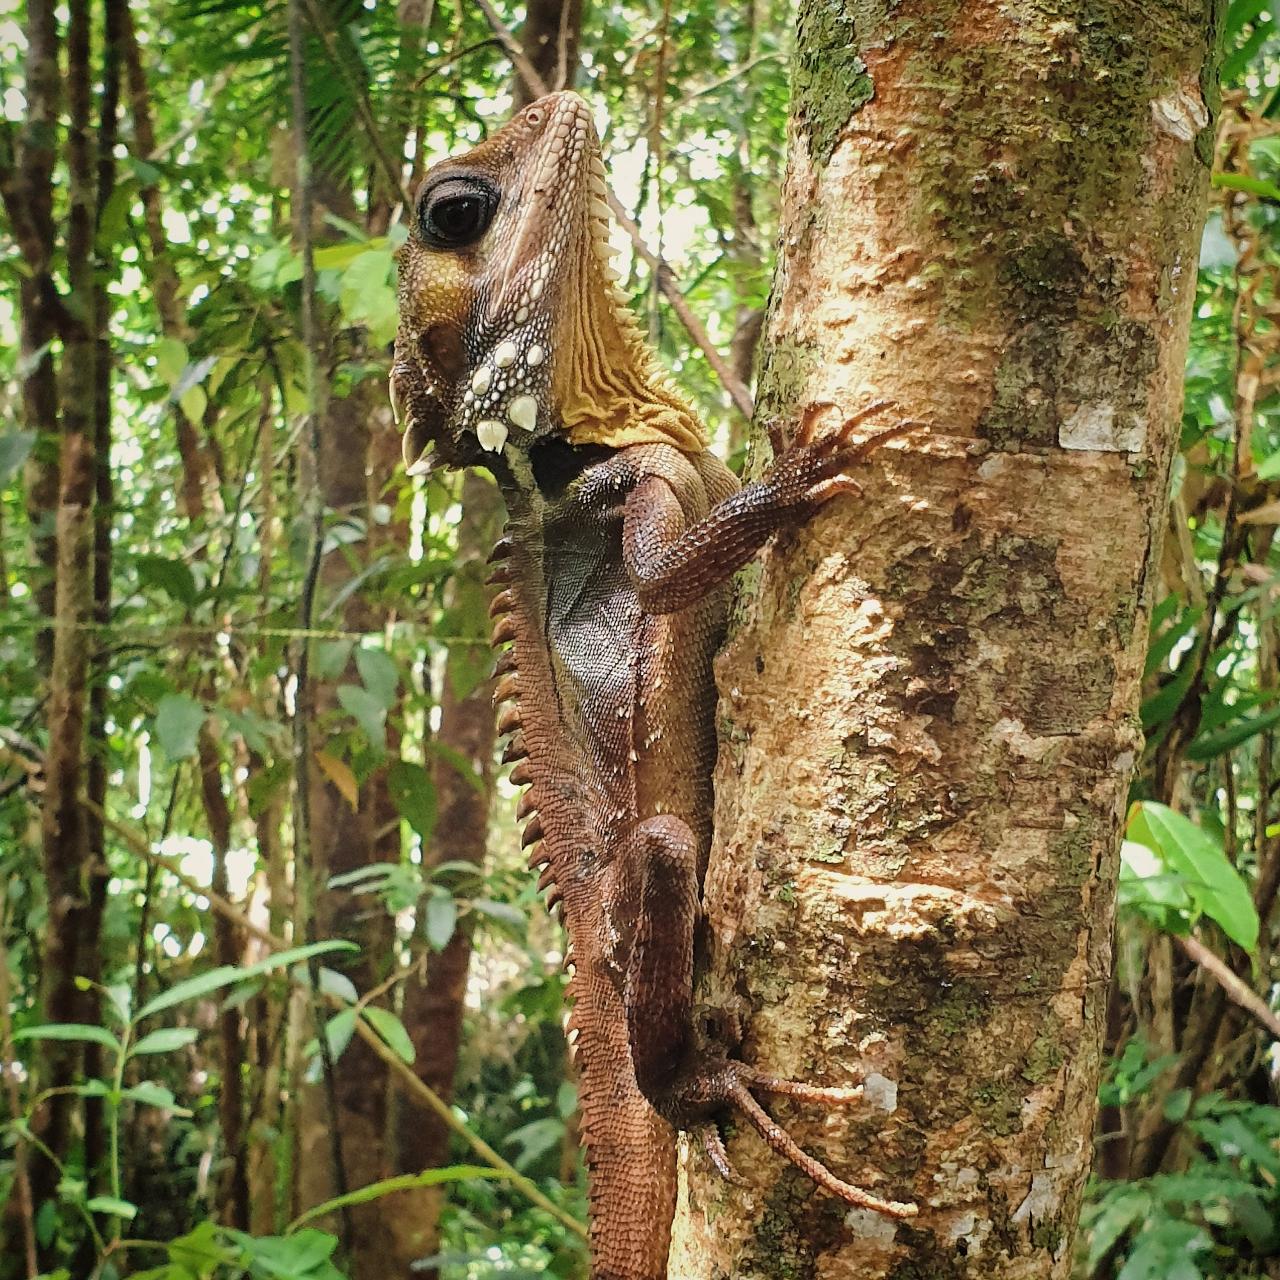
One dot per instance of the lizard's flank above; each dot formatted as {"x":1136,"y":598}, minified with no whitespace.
{"x":516,"y":352}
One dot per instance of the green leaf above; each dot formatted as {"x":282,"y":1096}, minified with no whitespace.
{"x":114,"y":1206}
{"x":228,"y":975}
{"x":368,"y":712}
{"x":441,"y":914}
{"x":458,"y":762}
{"x":333,"y":983}
{"x":170,"y":576}
{"x":14,"y":447}
{"x":391,"y":1029}
{"x":165,"y":1040}
{"x":367,"y":296}
{"x":414,"y":796}
{"x":286,"y":1257}
{"x":338,"y":1032}
{"x":501,"y":911}
{"x":402,"y":1182}
{"x":380,"y":675}
{"x":535,"y":1139}
{"x":1249,"y":185}
{"x":70,"y":1031}
{"x":1213,"y":883}
{"x":1208,"y":745}
{"x":330,"y":658}
{"x":151,"y":1094}
{"x":200,"y":1250}
{"x":178,"y":721}
{"x":171,"y":360}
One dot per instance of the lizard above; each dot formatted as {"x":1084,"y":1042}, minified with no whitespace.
{"x":516,"y":351}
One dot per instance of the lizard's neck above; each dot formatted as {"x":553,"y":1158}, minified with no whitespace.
{"x":605,"y":384}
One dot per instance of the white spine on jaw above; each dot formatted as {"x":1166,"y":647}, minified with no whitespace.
{"x":523,"y":412}
{"x":491,"y":434}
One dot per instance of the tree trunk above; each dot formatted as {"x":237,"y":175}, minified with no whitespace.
{"x":991,"y":218}
{"x":70,"y":939}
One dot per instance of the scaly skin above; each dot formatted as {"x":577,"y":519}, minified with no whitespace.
{"x":516,"y":353}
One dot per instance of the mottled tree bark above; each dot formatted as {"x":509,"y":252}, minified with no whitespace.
{"x":344,"y":838}
{"x":928,"y":708}
{"x":434,"y":1001}
{"x":70,"y":937}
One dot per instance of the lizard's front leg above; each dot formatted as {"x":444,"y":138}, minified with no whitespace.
{"x":674,"y":565}
{"x":686,"y":1081}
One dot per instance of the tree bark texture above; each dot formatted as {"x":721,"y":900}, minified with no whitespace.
{"x":928,"y":707}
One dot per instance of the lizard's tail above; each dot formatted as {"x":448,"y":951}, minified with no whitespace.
{"x":630,"y":1150}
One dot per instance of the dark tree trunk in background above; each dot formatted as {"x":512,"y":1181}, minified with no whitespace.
{"x":70,"y":936}
{"x":433,"y":1006}
{"x":991,"y":218}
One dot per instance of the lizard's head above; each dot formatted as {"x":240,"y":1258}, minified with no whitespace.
{"x":511,"y":326}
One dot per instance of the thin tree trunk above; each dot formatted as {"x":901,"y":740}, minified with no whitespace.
{"x":67,"y":947}
{"x":433,"y":1005}
{"x":991,"y":218}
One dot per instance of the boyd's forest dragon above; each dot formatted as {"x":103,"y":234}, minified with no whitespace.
{"x":516,"y":352}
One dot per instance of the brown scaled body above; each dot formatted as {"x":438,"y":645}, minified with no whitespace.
{"x":515,"y":352}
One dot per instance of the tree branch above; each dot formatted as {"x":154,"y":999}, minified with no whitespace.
{"x":1237,"y":990}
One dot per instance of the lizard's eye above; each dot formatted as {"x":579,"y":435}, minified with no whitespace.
{"x":456,"y":212}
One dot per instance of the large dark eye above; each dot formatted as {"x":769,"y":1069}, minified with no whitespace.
{"x":456,"y":212}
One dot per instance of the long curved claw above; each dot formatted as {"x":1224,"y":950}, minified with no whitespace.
{"x":713,"y":1145}
{"x":787,"y":1147}
{"x":831,"y":1095}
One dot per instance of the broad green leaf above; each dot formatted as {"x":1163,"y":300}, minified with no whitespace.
{"x":414,"y":796}
{"x":171,"y":360}
{"x":338,"y":1032}
{"x":70,"y":1031}
{"x":535,"y":1139}
{"x":228,"y":975}
{"x":391,"y":1029}
{"x":1121,"y":1209}
{"x":457,"y":761}
{"x":256,"y":730}
{"x":379,"y":673}
{"x":14,"y":447}
{"x":333,"y":983}
{"x":1214,"y":884}
{"x":368,"y":712}
{"x":502,"y":911}
{"x":165,"y":1040}
{"x":441,"y":913}
{"x":151,"y":1094}
{"x":114,"y":1206}
{"x":200,"y":1250}
{"x":367,"y":296}
{"x":286,"y":1257}
{"x":178,"y":721}
{"x":331,"y":658}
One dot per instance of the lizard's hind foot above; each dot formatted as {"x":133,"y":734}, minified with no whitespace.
{"x":730,"y":1083}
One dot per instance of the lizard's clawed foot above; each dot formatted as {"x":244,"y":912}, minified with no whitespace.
{"x":813,"y":469}
{"x":728,"y":1082}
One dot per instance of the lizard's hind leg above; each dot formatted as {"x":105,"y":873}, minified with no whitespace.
{"x":686,"y":1079}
